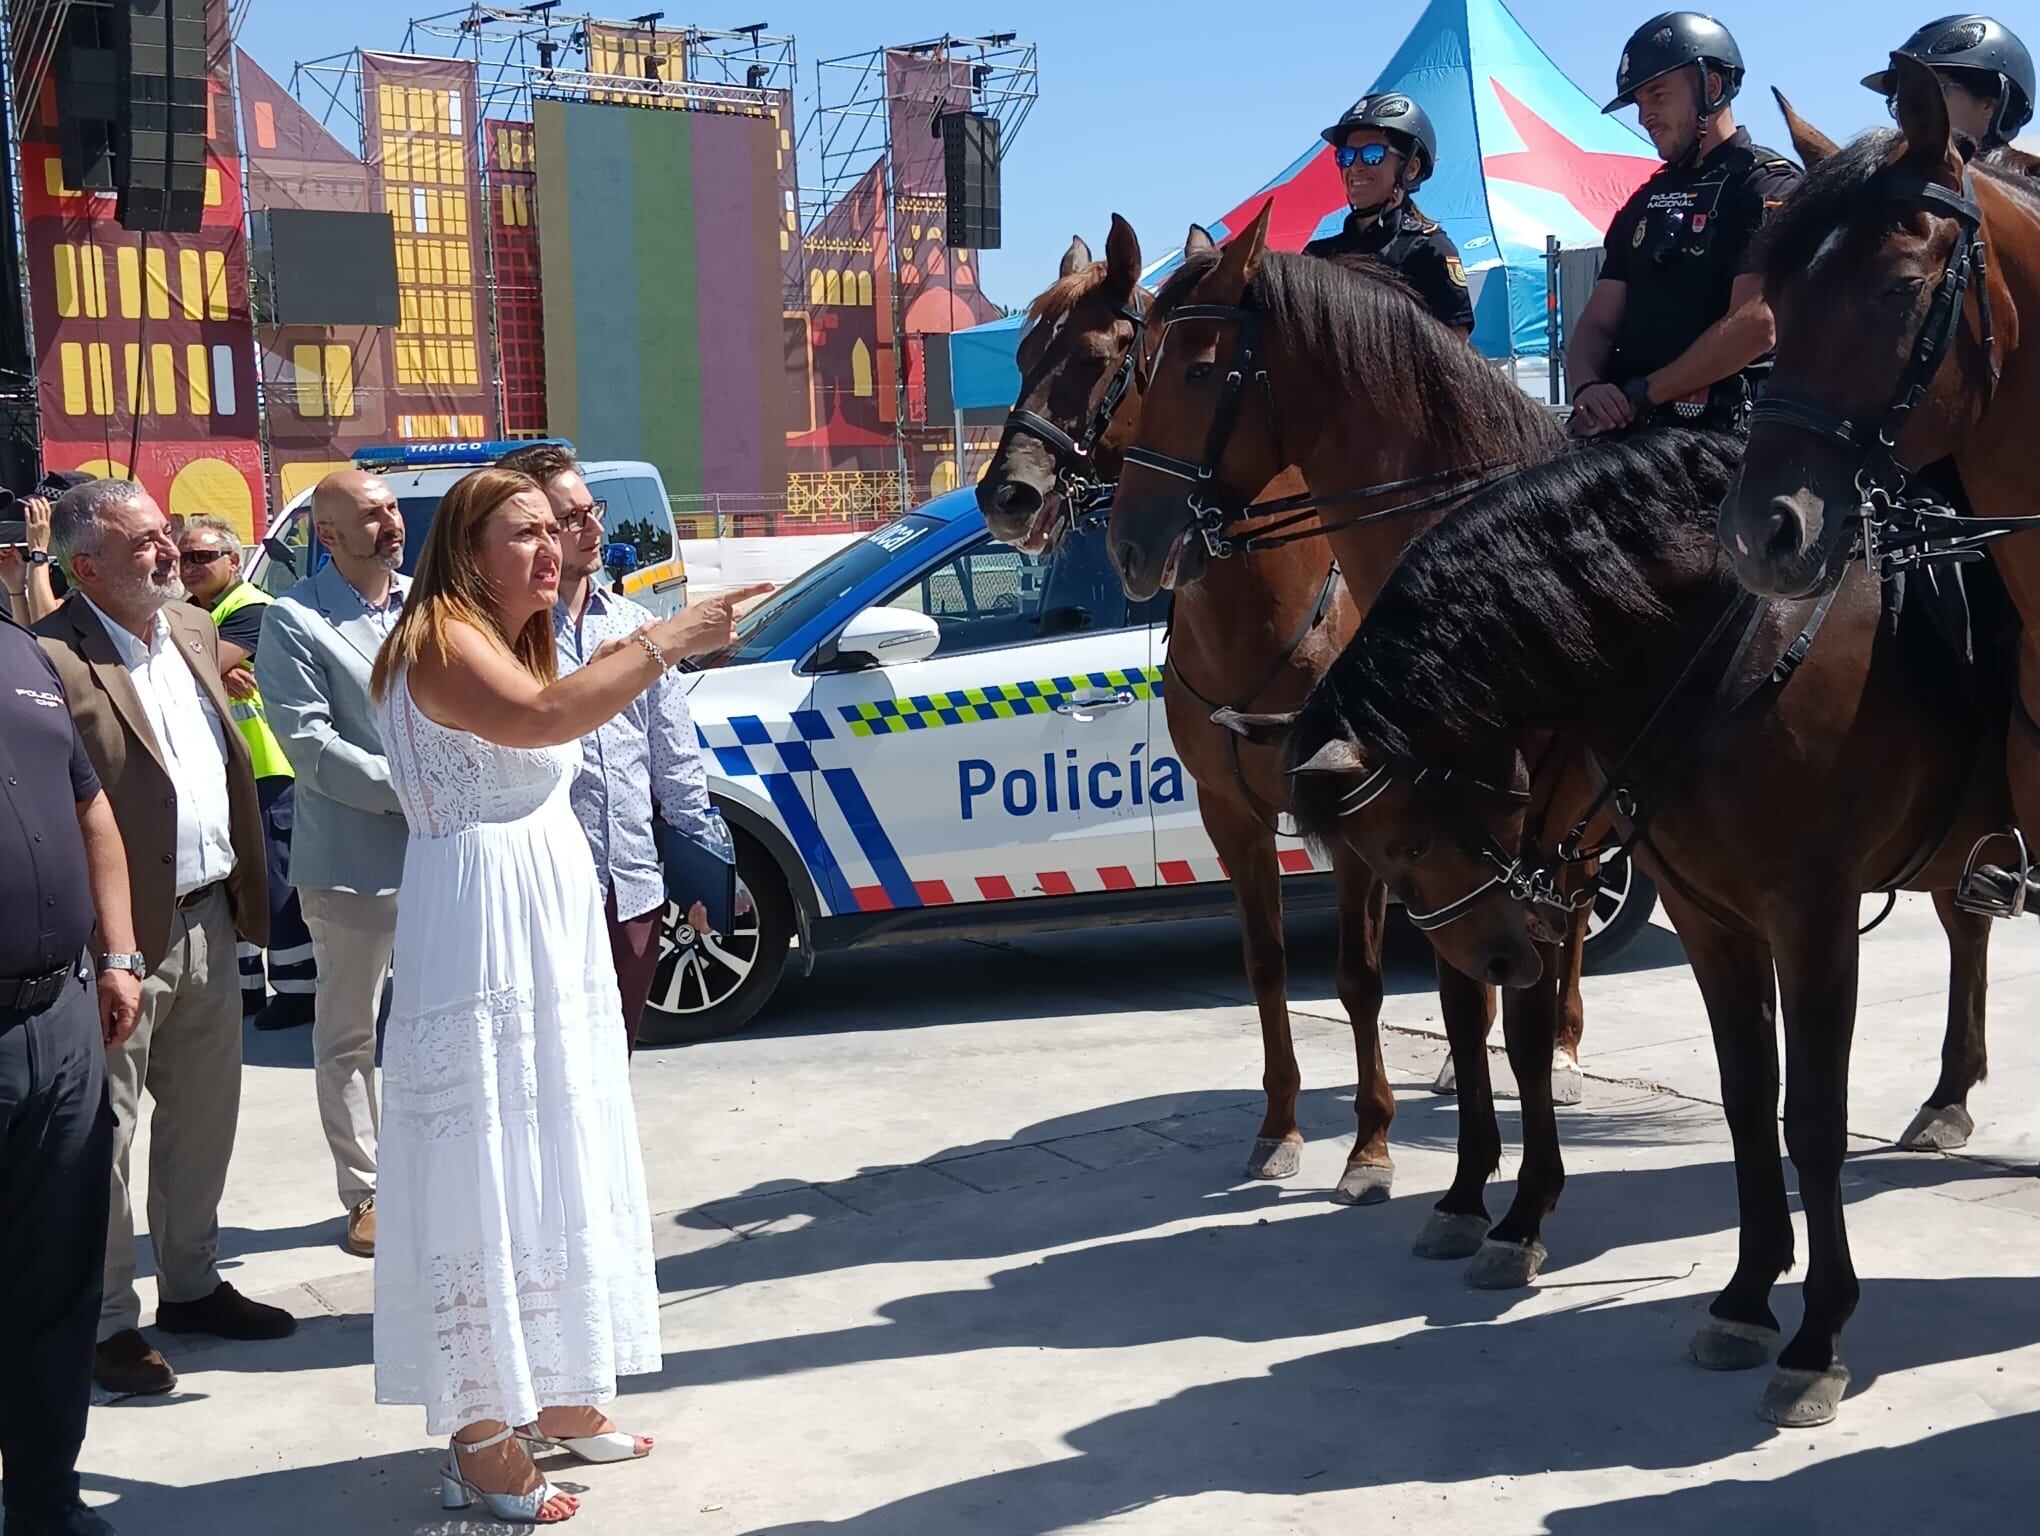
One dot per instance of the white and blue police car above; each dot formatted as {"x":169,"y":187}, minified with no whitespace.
{"x":930,"y":734}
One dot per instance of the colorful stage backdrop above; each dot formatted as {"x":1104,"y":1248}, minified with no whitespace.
{"x":660,"y":260}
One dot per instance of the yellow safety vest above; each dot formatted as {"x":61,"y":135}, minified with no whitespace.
{"x":263,"y":747}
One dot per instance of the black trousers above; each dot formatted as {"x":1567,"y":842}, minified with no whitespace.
{"x":288,"y":966}
{"x":56,"y":1163}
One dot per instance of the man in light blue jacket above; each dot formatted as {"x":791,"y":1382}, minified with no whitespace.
{"x":347,"y":849}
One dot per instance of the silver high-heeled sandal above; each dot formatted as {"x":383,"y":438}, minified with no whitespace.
{"x":612,"y":1445}
{"x":456,"y":1492}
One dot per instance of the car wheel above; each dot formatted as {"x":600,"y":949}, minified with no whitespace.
{"x":706,"y":988}
{"x":1622,"y":910}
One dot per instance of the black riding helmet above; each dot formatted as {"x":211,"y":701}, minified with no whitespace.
{"x":1405,"y":123}
{"x":1679,"y":40}
{"x":1979,"y":43}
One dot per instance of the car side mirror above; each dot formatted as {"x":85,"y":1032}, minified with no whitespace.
{"x":880,"y":636}
{"x":282,"y":554}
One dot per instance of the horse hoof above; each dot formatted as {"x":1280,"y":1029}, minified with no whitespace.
{"x":1272,"y":1159}
{"x":1451,"y":1235}
{"x":1802,"y":1399}
{"x":1722,"y":1344}
{"x":1447,"y":1080}
{"x":1500,"y":1266}
{"x":1364,"y":1183}
{"x":1568,"y":1083}
{"x":1938,"y":1130}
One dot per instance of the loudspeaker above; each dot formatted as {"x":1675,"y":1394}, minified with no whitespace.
{"x":86,"y":97}
{"x":159,"y":169}
{"x":970,"y":175}
{"x":315,"y":266}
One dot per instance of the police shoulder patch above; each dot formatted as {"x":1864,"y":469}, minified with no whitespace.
{"x":1636,"y":240}
{"x":1455,"y":270}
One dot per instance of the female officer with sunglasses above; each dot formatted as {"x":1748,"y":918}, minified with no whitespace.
{"x":1386,"y":150}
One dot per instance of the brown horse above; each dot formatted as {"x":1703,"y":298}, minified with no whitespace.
{"x":1766,"y":765}
{"x":1256,"y":635}
{"x":1903,"y":281}
{"x":1345,"y":425}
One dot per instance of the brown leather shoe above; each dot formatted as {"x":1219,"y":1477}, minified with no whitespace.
{"x":361,"y":1229}
{"x":226,"y":1314}
{"x":128,"y":1365}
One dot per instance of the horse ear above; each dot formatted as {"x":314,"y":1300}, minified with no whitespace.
{"x":1813,"y":145}
{"x":1122,"y":257}
{"x":1242,"y":258}
{"x":1199,"y":239}
{"x":1923,"y":119}
{"x":1077,"y":257}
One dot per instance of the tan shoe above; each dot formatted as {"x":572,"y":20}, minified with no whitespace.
{"x":361,"y":1229}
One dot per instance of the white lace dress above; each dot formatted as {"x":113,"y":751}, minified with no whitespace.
{"x":513,"y":1266}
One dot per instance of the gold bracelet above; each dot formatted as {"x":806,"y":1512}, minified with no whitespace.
{"x":651,"y":648}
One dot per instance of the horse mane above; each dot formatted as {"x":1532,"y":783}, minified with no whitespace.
{"x":1065,"y":293}
{"x":1831,"y":198}
{"x":1355,"y":316}
{"x":1506,"y":604}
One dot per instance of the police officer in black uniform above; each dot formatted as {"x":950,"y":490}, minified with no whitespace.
{"x":64,"y":872}
{"x":1678,"y":314}
{"x":1386,"y":150}
{"x":1986,"y":75}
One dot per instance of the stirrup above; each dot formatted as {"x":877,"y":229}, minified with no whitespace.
{"x":1991,"y":890}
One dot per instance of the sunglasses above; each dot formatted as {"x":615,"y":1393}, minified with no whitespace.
{"x":574,"y":519}
{"x":1369,"y":155}
{"x":201,"y":556}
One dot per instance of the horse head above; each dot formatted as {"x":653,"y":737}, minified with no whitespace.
{"x":1873,"y":275}
{"x":1203,"y":436}
{"x":1076,"y":402}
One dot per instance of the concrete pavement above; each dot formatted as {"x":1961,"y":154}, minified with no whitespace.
{"x":957,"y":1243}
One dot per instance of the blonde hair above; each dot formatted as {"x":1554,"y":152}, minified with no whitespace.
{"x":450,"y":587}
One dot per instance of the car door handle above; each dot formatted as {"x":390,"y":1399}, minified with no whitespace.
{"x":1091,"y":705}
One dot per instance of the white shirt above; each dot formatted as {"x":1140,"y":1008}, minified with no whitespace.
{"x":193,"y":743}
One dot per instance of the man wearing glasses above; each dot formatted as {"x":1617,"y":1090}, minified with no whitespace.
{"x":644,"y":755}
{"x":1386,"y":149}
{"x":209,"y":560}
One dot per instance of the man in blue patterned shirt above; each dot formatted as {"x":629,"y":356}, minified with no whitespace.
{"x":647,"y":754}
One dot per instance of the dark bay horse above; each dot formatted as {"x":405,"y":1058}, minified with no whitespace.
{"x":1255,"y":634}
{"x":1903,"y":280}
{"x":1398,"y":398}
{"x":1769,"y":781}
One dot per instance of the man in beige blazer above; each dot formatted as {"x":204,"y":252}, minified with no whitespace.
{"x":140,"y":668}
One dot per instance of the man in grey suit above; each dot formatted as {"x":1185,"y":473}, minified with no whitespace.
{"x":319,"y":641}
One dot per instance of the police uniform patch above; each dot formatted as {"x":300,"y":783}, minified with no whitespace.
{"x":1636,"y":240}
{"x":1455,"y":270}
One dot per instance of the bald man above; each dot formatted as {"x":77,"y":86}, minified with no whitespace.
{"x":347,"y":849}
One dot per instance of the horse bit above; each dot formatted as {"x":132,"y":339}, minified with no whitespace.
{"x":1900,"y":530}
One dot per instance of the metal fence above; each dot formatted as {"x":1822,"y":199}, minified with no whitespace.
{"x":840,"y":502}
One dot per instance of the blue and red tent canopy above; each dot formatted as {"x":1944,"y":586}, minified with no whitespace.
{"x":1523,"y":153}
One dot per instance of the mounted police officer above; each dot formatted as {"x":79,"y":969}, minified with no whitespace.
{"x":1986,"y":75}
{"x":1678,"y":314}
{"x":1386,"y":150}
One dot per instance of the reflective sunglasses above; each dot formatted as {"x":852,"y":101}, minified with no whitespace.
{"x":1369,"y":155}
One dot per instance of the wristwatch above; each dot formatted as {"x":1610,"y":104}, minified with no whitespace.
{"x":38,"y":557}
{"x":1638,"y":391}
{"x":129,"y":962}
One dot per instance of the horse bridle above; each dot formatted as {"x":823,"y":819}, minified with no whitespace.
{"x":1893,"y":523}
{"x":1075,"y":457}
{"x":1216,"y":514}
{"x":1504,"y":873}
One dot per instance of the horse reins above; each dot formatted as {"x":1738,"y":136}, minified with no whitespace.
{"x":1216,"y":516}
{"x":1896,"y":528}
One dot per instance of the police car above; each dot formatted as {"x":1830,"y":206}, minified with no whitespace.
{"x":931,"y":734}
{"x":418,"y":474}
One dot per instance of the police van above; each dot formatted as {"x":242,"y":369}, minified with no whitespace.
{"x":418,"y":474}
{"x":931,"y":734}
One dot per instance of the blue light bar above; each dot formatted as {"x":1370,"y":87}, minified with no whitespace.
{"x":441,"y":455}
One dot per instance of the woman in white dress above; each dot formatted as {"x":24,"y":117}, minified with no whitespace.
{"x":513,"y":1272}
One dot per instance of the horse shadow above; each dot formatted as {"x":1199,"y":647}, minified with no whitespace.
{"x":1583,"y":1390}
{"x":1249,"y":1282}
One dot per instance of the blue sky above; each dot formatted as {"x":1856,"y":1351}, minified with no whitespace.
{"x":1172,"y":120}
